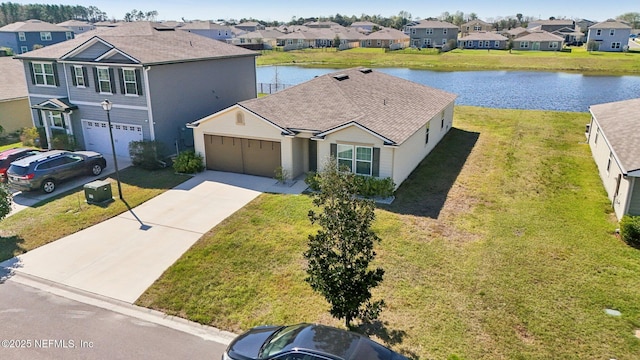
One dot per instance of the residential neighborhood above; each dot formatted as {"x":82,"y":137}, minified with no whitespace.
{"x":156,"y":202}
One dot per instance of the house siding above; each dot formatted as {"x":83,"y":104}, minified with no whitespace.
{"x":605,"y":40}
{"x":418,"y":39}
{"x":90,"y":95}
{"x":46,"y":92}
{"x":10,"y":40}
{"x":203,"y":88}
{"x":92,"y":52}
{"x":15,"y":114}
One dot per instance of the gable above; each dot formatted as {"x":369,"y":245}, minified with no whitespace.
{"x":90,"y":52}
{"x":239,"y":122}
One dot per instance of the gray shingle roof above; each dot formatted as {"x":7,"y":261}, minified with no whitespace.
{"x":610,"y":25}
{"x":142,"y":41}
{"x":387,"y":34}
{"x":432,"y":24}
{"x":620,"y":124}
{"x":31,"y":26}
{"x":391,"y":107}
{"x":483,"y":35}
{"x":540,"y":35}
{"x":13,"y":84}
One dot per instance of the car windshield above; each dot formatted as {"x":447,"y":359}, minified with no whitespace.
{"x":279,"y":340}
{"x":18,"y":170}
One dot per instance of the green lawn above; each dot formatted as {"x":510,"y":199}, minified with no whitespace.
{"x":10,"y":146}
{"x":579,"y":60}
{"x":500,"y":245}
{"x":67,"y":213}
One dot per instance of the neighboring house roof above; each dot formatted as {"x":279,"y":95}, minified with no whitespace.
{"x":388,"y":34}
{"x":204,"y":25}
{"x":381,"y":103}
{"x":551,"y":22}
{"x":610,"y":25}
{"x":363,"y":23}
{"x":474,"y":22}
{"x":620,"y":124}
{"x":483,"y":35}
{"x":74,"y":23}
{"x":323,"y":33}
{"x":262,"y":34}
{"x":540,"y":36}
{"x":516,"y":31}
{"x":432,"y":24}
{"x":249,"y":24}
{"x":147,"y":43}
{"x":13,"y":85}
{"x":32,"y":26}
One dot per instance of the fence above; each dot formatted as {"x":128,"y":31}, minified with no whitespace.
{"x":268,"y":88}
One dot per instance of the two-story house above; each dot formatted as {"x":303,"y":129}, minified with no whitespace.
{"x":158,"y":79}
{"x":551,"y":25}
{"x":475,"y":26}
{"x":77,"y":26}
{"x":23,"y":36}
{"x":431,"y":33}
{"x":609,"y":35}
{"x":208,"y":29}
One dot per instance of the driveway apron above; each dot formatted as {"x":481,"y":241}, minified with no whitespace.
{"x":121,"y":257}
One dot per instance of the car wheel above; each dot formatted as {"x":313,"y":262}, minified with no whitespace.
{"x":48,"y":186}
{"x":96,"y":169}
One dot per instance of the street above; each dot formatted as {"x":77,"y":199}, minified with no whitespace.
{"x":37,"y":324}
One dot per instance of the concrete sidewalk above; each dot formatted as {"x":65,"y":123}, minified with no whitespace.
{"x":120,"y":259}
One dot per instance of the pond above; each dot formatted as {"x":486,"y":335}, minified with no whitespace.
{"x":496,"y":89}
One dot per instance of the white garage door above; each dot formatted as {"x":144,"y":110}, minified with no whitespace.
{"x":96,"y":136}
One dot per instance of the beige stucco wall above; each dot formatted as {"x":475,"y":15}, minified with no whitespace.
{"x":15,"y":114}
{"x":601,"y":152}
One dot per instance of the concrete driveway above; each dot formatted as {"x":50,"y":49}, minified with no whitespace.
{"x":121,"y":257}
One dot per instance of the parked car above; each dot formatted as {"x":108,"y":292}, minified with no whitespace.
{"x":11,"y":155}
{"x":45,"y":170}
{"x":306,"y":342}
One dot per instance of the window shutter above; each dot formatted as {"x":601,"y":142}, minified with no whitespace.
{"x":85,"y":76}
{"x":55,"y":74}
{"x":113,"y":81}
{"x":375,"y":170}
{"x":73,"y":75}
{"x":139,"y":82}
{"x":95,"y":79}
{"x":333,"y":151}
{"x":121,"y":77}
{"x":33,"y":76}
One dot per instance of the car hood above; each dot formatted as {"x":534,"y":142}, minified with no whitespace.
{"x":247,"y":345}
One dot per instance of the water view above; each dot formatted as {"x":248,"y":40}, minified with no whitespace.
{"x":496,"y":89}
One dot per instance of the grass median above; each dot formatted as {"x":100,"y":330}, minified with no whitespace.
{"x":67,"y":213}
{"x":500,"y":245}
{"x":578,"y":60}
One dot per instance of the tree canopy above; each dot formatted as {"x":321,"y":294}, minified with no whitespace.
{"x":12,"y":12}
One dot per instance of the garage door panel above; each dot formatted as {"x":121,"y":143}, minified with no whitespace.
{"x":240,"y":155}
{"x":97,"y":137}
{"x":260,"y":157}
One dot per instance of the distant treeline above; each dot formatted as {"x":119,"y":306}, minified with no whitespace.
{"x":12,"y":12}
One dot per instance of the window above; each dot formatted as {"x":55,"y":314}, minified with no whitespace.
{"x":379,"y":43}
{"x":80,"y":28}
{"x":43,"y":74}
{"x":524,"y":44}
{"x":130,"y":84}
{"x":612,"y":32}
{"x":426,"y":135}
{"x":45,"y":36}
{"x":78,"y":75}
{"x":609,"y":162}
{"x":469,"y":43}
{"x":477,"y":28}
{"x":615,"y":45}
{"x":362,"y":162}
{"x":69,"y":35}
{"x":104,"y":80}
{"x":427,"y":42}
{"x":553,"y":45}
{"x":55,"y":119}
{"x":239,"y":118}
{"x":442,"y":120}
{"x":444,"y":31}
{"x":22,"y":37}
{"x":444,"y":41}
{"x":413,"y":31}
{"x":487,"y":43}
{"x":429,"y":31}
{"x":23,"y":49}
{"x":497,"y":44}
{"x":598,"y":32}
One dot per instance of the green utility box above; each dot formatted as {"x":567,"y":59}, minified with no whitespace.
{"x":98,"y":192}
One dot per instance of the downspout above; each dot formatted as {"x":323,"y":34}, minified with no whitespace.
{"x":152,"y":132}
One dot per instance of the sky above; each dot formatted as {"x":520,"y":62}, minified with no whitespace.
{"x":280,"y":10}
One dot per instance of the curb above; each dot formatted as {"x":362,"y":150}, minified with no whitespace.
{"x":153,"y":316}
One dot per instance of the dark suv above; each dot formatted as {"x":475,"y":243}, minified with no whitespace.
{"x":45,"y":170}
{"x":11,"y":155}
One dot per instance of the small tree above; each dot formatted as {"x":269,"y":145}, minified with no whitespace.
{"x":5,"y":201}
{"x":339,"y":254}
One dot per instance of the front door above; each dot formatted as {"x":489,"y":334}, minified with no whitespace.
{"x":536,"y":46}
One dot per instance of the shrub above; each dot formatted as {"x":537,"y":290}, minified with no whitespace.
{"x":188,"y":162}
{"x":368,"y":186}
{"x":630,"y":230}
{"x":144,"y":154}
{"x":281,"y":174}
{"x":30,"y":136}
{"x":63,"y":141}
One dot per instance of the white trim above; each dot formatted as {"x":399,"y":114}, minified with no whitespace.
{"x":353,"y":123}
{"x":113,"y":52}
{"x":145,"y":77}
{"x":84,"y":46}
{"x":46,"y":96}
{"x":98,"y":68}
{"x":130,"y":107}
{"x":93,"y":63}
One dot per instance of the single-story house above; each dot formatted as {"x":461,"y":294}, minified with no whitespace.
{"x":373,"y":123}
{"x":539,"y":40}
{"x":483,"y":40}
{"x":15,"y":112}
{"x":387,"y":38}
{"x":614,"y":138}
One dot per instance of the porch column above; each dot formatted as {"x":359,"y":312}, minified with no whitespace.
{"x":47,"y":127}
